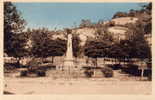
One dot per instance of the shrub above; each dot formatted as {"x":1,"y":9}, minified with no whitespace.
{"x":147,"y":72}
{"x":9,"y":67}
{"x":46,"y":67}
{"x":115,"y":66}
{"x":52,"y":67}
{"x":33,"y":65}
{"x":131,"y":69}
{"x":23,"y":73}
{"x":87,"y":67}
{"x":88,"y":73}
{"x":107,"y":72}
{"x":150,"y":77}
{"x":7,"y":93}
{"x":41,"y":73}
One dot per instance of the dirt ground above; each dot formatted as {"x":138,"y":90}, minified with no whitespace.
{"x":50,"y":85}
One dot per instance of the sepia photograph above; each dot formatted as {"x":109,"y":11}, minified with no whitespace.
{"x":77,"y":48}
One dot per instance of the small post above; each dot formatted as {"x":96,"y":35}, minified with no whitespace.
{"x":142,"y":73}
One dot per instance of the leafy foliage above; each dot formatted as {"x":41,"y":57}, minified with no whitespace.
{"x":88,"y":73}
{"x":139,"y":48}
{"x":135,"y":13}
{"x":14,"y":38}
{"x":107,"y":72}
{"x":86,"y":23}
{"x":99,"y":47}
{"x":120,"y":14}
{"x":144,"y":16}
{"x":44,"y":46}
{"x":76,"y":45}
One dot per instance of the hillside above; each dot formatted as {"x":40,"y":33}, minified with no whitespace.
{"x":124,"y":20}
{"x":119,"y":22}
{"x":117,"y":25}
{"x":118,"y":30}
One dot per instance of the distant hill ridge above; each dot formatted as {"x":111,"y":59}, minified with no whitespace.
{"x":118,"y":23}
{"x":118,"y":28}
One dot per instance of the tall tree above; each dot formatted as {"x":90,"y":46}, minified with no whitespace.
{"x":76,"y":45}
{"x":85,"y":23}
{"x":140,"y":48}
{"x":120,"y":14}
{"x":13,"y":24}
{"x":99,"y":47}
{"x":44,"y":46}
{"x":93,"y":49}
{"x":146,"y":18}
{"x":14,"y":37}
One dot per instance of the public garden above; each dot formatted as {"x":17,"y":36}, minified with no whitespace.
{"x":43,"y":61}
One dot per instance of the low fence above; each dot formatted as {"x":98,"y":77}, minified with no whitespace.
{"x":59,"y":61}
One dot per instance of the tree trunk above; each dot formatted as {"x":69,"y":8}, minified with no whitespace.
{"x":124,"y":61}
{"x":87,"y":60}
{"x":103,"y":61}
{"x":76,"y":61}
{"x":18,"y":62}
{"x":96,"y":62}
{"x":115,"y":61}
{"x":142,"y":73}
{"x":52,"y":59}
{"x":119,"y":61}
{"x":43,"y":59}
{"x":142,"y":70}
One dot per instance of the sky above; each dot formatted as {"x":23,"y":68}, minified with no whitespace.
{"x":67,"y":15}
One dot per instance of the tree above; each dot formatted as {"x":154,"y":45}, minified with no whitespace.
{"x":144,"y":16}
{"x":58,"y":47}
{"x":119,"y":14}
{"x":147,"y":18}
{"x":135,"y":34}
{"x":93,"y":49}
{"x":125,"y":48}
{"x":147,"y":8}
{"x":140,"y":48}
{"x":98,"y":48}
{"x":106,"y":38}
{"x":44,"y":46}
{"x":14,"y":37}
{"x":136,"y":46}
{"x":85,"y":23}
{"x":76,"y":45}
{"x":13,"y":24}
{"x":132,"y":13}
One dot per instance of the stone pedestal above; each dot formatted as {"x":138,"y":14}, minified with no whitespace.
{"x":69,"y":66}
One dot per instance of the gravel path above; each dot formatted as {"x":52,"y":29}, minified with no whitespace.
{"x":48,"y":85}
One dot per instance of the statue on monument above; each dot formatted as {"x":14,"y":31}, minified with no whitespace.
{"x":69,"y":60}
